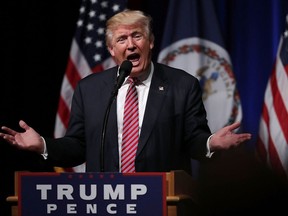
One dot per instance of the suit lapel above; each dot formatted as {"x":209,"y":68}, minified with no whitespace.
{"x":157,"y":94}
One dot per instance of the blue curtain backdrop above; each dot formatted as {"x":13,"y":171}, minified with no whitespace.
{"x":251,"y":31}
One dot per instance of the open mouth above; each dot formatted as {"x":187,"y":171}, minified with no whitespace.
{"x":133,"y":57}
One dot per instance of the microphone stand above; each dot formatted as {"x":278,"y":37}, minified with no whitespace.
{"x":104,"y":127}
{"x":124,"y":71}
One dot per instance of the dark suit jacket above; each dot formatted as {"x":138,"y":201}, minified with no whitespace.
{"x":174,"y":126}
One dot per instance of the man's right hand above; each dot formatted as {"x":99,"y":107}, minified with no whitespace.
{"x":27,"y":140}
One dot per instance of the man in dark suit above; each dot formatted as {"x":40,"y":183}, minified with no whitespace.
{"x":172,"y":118}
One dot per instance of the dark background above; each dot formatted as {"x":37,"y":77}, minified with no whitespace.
{"x":35,"y":43}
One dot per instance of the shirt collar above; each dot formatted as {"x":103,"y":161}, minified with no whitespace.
{"x":145,"y":79}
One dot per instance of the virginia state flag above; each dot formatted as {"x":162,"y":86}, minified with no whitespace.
{"x":192,"y":41}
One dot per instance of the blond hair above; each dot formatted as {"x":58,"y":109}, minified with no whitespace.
{"x":128,"y":17}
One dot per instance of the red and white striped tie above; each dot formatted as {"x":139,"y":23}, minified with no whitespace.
{"x":130,"y":133}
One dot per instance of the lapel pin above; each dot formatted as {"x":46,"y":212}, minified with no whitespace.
{"x":161,"y":88}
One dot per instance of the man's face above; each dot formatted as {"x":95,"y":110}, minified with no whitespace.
{"x":132,"y":43}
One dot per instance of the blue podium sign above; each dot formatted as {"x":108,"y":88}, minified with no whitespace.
{"x":62,"y":194}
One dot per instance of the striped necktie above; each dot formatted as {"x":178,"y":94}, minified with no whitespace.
{"x":130,"y":133}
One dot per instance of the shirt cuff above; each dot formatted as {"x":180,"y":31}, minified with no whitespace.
{"x":45,"y":153}
{"x":209,"y":153}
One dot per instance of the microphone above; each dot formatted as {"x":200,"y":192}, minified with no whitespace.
{"x":124,"y":71}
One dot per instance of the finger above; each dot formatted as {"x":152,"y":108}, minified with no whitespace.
{"x":246,"y":136}
{"x":23,"y":125}
{"x":234,"y":126}
{"x":243,"y":137}
{"x":8,"y":138}
{"x":8,"y":130}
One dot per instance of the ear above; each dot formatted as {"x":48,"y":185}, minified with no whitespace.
{"x":151,"y":44}
{"x":111,"y":51}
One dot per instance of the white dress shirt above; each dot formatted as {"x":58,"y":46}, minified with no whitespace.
{"x":142,"y":91}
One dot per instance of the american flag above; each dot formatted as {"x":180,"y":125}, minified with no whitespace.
{"x":273,"y":132}
{"x":88,"y":54}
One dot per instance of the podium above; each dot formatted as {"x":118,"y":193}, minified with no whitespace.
{"x":181,"y":195}
{"x":181,"y":198}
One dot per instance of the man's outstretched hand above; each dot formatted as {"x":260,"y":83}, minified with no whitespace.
{"x":27,"y":140}
{"x":226,"y":137}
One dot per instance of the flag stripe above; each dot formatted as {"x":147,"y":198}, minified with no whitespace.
{"x":64,"y":109}
{"x":278,"y":81}
{"x":81,"y":67}
{"x":72,"y":74}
